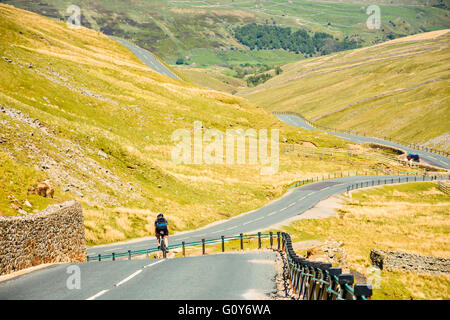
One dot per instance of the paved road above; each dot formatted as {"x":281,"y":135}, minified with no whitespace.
{"x":147,"y":58}
{"x":295,"y":202}
{"x":213,"y":277}
{"x":428,"y":157}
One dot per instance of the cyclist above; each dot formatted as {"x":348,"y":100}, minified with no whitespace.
{"x":161,"y":224}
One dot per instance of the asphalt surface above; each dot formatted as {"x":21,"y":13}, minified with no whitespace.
{"x":147,"y":58}
{"x":294,"y":203}
{"x":428,"y":157}
{"x":212,"y":277}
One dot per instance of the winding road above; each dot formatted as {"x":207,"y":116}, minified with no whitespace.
{"x":219,"y":276}
{"x":146,"y":57}
{"x":430,"y":158}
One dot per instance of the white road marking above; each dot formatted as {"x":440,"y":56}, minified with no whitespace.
{"x":272,"y":213}
{"x":325,"y":188}
{"x":292,"y":204}
{"x":152,"y":264}
{"x":232,"y":228}
{"x":283,"y":209}
{"x":128,"y":278}
{"x":97,"y":295}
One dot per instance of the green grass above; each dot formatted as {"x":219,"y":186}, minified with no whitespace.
{"x":178,"y":29}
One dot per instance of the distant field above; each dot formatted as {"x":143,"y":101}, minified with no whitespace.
{"x":399,"y":89}
{"x":174,"y":29}
{"x":412,"y":217}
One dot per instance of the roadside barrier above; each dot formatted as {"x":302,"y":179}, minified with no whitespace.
{"x":183,"y":245}
{"x":396,"y":180}
{"x":356,"y":133}
{"x":314,"y":280}
{"x":359,"y":173}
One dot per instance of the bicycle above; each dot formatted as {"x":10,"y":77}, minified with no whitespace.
{"x":162,"y":244}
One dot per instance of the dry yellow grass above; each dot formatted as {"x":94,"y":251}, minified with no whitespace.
{"x":129,"y":113}
{"x":412,"y":218}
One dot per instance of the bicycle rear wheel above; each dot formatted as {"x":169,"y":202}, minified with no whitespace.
{"x":163,"y":247}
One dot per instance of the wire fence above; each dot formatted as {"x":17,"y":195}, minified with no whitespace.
{"x":314,"y":280}
{"x":357,"y":133}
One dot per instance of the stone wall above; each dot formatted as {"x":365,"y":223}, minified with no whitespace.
{"x":53,"y":235}
{"x":407,"y":261}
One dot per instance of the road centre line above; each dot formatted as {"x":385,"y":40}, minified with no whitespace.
{"x":128,"y":278}
{"x":152,"y":264}
{"x":123,"y":281}
{"x":97,"y":295}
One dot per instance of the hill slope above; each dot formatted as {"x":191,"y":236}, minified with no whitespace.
{"x":398,"y":89}
{"x":203,"y":31}
{"x":82,"y":111}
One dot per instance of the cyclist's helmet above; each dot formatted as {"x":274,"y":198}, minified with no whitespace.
{"x":160,"y":215}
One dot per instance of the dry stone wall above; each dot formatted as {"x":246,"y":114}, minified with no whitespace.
{"x":390,"y":260}
{"x":53,"y":235}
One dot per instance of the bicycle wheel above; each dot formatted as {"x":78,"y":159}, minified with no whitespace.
{"x":163,"y":247}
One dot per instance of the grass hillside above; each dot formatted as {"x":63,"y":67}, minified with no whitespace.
{"x":411,"y":217}
{"x":203,"y":31}
{"x":212,"y":78}
{"x":80,"y":110}
{"x":398,"y":89}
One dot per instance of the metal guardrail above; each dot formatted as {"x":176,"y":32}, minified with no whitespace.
{"x":183,"y":245}
{"x":313,"y":280}
{"x":355,"y":174}
{"x":406,"y":144}
{"x":395,"y":180}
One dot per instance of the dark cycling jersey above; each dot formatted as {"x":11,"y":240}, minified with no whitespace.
{"x":162,"y":224}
